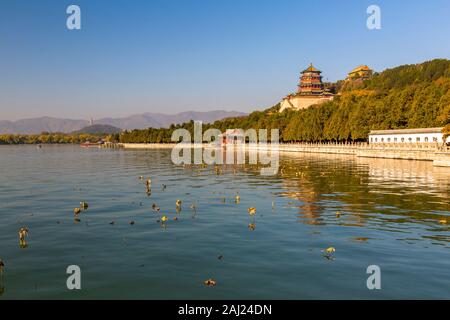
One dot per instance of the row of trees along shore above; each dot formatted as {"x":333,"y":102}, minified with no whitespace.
{"x":51,"y":138}
{"x":409,"y":96}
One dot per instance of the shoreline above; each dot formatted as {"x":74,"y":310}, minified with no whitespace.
{"x":415,"y":152}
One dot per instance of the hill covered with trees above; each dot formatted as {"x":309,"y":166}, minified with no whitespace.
{"x":98,"y":129}
{"x":409,"y":96}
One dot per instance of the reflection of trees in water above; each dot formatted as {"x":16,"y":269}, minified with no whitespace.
{"x":396,"y":191}
{"x":311,"y":179}
{"x":310,"y":213}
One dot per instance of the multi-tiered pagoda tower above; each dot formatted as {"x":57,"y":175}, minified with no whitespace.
{"x":311,"y":91}
{"x":311,"y":82}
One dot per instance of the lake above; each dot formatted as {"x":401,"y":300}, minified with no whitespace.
{"x":372,"y":211}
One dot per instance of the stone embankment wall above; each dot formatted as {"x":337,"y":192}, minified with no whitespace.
{"x":425,"y":152}
{"x":302,"y":102}
{"x":147,"y":145}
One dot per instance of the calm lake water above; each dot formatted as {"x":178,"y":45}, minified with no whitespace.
{"x":390,"y":213}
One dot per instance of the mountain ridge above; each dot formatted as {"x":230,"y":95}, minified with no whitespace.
{"x":137,"y":121}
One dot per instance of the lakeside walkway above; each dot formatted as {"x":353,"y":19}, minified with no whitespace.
{"x":440,"y":155}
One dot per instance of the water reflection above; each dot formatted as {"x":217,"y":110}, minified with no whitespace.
{"x":378,"y":193}
{"x":403,"y":177}
{"x":382,"y":211}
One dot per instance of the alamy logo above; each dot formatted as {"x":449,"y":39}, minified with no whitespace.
{"x":215,"y":148}
{"x":74,"y":20}
{"x":374,"y":20}
{"x":74,"y":280}
{"x":374,"y":280}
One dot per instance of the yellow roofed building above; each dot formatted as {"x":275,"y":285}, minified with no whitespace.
{"x":361,"y":72}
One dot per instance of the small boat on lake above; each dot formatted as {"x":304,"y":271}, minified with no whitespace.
{"x":88,"y":144}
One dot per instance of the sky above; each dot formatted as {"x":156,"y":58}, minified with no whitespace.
{"x":171,"y":56}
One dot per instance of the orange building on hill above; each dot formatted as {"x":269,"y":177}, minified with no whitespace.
{"x":361,"y":72}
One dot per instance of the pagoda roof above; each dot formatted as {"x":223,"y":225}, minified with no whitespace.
{"x":311,"y":68}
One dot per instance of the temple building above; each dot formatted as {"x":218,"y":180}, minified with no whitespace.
{"x":311,"y":82}
{"x":311,"y":91}
{"x":360,"y":73}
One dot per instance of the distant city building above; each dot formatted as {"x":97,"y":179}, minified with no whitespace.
{"x":360,"y":73}
{"x":426,"y":135}
{"x":311,"y":91}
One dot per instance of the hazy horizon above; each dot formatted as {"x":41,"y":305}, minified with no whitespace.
{"x":176,"y":56}
{"x":119,"y":117}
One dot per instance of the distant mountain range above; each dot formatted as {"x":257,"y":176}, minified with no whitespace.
{"x":139,"y":121}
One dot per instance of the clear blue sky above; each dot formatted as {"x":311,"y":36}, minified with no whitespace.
{"x":177,"y":55}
